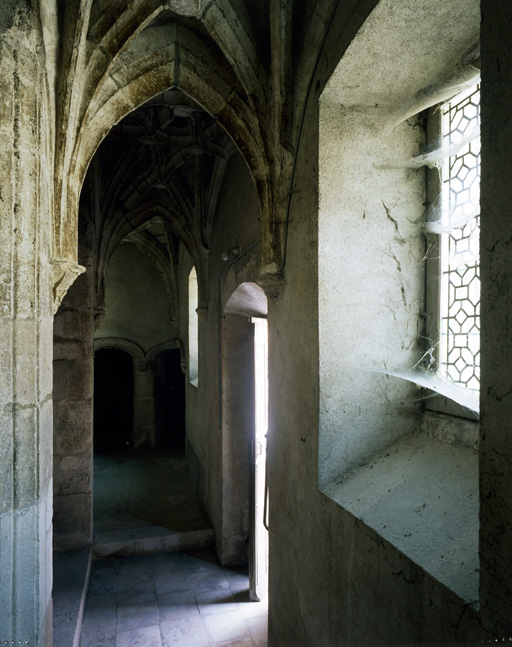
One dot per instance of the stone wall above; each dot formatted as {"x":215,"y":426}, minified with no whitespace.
{"x":495,"y":437}
{"x":333,"y":579}
{"x":25,"y":330}
{"x":73,"y":361}
{"x":221,"y":440}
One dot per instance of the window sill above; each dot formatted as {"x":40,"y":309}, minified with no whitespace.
{"x":421,"y":495}
{"x":450,"y":398}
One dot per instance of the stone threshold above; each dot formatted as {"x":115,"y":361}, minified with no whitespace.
{"x":149,"y":540}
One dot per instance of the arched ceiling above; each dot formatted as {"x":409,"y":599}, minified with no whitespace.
{"x":248,"y":63}
{"x":156,"y":179}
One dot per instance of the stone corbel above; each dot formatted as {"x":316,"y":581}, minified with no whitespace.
{"x":272,"y":284}
{"x":191,"y":8}
{"x":64,"y":275}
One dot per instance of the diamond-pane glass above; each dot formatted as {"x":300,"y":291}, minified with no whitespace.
{"x":460,"y":289}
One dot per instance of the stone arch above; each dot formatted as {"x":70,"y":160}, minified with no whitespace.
{"x":150,"y":64}
{"x":128,"y":346}
{"x":249,"y":300}
{"x":161,"y":348}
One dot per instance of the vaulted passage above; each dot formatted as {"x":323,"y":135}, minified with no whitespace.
{"x":163,"y":191}
{"x":200,"y":195}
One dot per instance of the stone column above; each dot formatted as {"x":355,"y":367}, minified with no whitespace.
{"x":25,"y":333}
{"x":143,"y":404}
{"x":496,"y":338}
{"x":73,"y":417}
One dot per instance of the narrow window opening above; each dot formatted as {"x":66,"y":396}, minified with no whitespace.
{"x":193,"y":330}
{"x":453,"y":270}
{"x":459,"y":351}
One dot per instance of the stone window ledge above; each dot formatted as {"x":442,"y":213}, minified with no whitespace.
{"x":421,"y":495}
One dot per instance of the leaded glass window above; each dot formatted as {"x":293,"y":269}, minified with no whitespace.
{"x":459,"y":344}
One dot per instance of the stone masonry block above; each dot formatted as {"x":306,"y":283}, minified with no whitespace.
{"x":60,"y":390}
{"x":72,"y":521}
{"x":5,"y":361}
{"x":25,"y":366}
{"x":25,"y":288}
{"x":74,"y":462}
{"x":73,"y":427}
{"x":71,"y":483}
{"x":45,"y":443}
{"x":25,"y":434}
{"x":80,"y":377}
{"x":68,"y":349}
{"x":73,"y":324}
{"x":45,"y":357}
{"x":6,"y":467}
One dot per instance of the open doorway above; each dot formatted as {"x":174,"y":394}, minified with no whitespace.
{"x":113,"y":400}
{"x":143,"y":502}
{"x":243,"y":415}
{"x":170,"y":401}
{"x":258,"y":576}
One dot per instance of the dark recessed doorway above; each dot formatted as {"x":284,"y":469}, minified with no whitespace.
{"x":113,"y":400}
{"x":170,"y":401}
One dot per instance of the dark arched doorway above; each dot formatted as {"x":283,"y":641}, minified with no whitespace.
{"x":170,"y":401}
{"x":113,"y":400}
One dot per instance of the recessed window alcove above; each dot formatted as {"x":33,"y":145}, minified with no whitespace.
{"x":409,"y":473}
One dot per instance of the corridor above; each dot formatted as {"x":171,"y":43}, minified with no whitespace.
{"x":144,"y":502}
{"x":171,"y":600}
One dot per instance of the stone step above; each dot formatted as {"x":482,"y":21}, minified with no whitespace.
{"x":148,"y":540}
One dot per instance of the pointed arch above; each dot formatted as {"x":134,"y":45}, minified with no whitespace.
{"x":249,"y":300}
{"x":162,"y":57}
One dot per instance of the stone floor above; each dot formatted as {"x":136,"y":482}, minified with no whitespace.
{"x":141,"y":596}
{"x":144,"y":502}
{"x":171,"y":600}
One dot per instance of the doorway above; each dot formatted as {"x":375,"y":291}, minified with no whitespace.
{"x":258,"y":577}
{"x":243,"y":401}
{"x":170,"y":401}
{"x":113,"y":400}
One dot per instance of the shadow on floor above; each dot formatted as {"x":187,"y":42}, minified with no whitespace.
{"x":171,"y":600}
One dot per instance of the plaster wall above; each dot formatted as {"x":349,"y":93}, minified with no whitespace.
{"x":338,"y":581}
{"x":370,"y":283}
{"x":136,"y":304}
{"x":335,"y":581}
{"x":222,"y":450}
